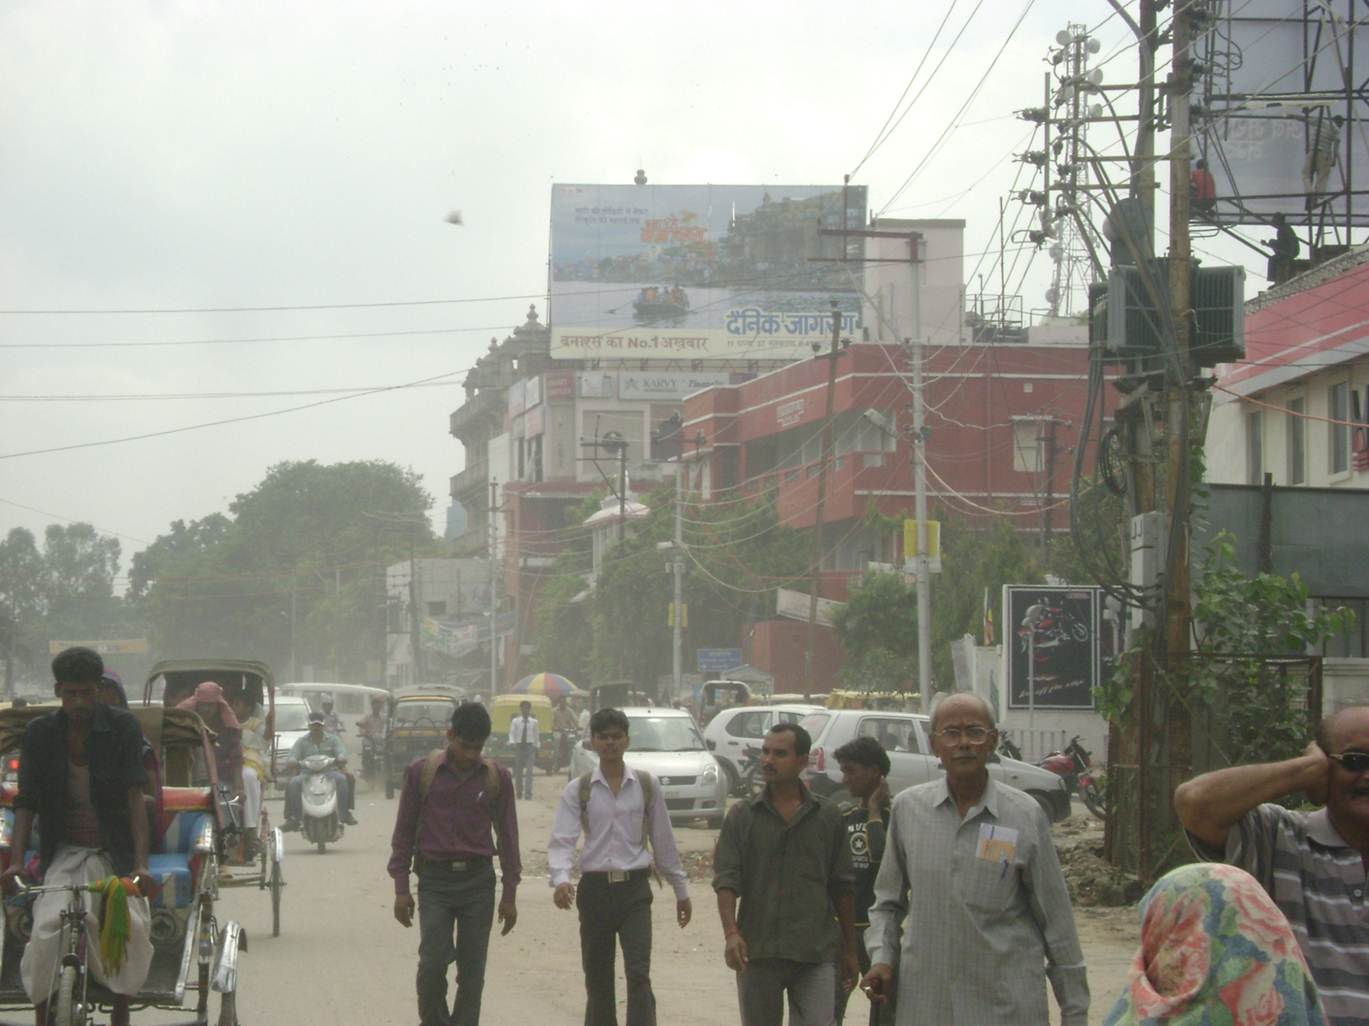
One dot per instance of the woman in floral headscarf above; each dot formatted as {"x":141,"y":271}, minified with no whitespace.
{"x":1215,"y":950}
{"x":218,"y":715}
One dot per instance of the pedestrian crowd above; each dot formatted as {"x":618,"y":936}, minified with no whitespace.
{"x":943,"y":904}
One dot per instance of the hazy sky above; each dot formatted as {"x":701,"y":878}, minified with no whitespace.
{"x":202,"y":155}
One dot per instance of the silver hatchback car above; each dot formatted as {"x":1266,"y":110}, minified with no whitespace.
{"x":904,"y":737}
{"x":667,"y":744}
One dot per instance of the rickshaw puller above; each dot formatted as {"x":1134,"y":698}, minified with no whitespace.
{"x":81,"y":775}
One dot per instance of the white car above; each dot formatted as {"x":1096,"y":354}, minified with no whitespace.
{"x":732,"y":731}
{"x":667,"y":744}
{"x":292,"y":723}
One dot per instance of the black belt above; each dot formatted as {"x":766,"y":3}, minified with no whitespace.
{"x":616,"y":876}
{"x":468,"y":864}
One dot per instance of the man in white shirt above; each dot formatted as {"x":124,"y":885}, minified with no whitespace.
{"x":523,"y":740}
{"x":618,"y":811}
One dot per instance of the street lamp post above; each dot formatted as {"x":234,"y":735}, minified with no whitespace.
{"x":1029,"y":621}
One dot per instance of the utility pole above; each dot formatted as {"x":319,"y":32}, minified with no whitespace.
{"x":677,"y":565}
{"x":494,"y":597}
{"x":924,"y":574}
{"x":415,"y":636}
{"x":1178,"y":391}
{"x":294,"y":667}
{"x":820,"y":511}
{"x":1050,"y":453}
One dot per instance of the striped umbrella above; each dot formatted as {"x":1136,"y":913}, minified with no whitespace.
{"x":553,"y":685}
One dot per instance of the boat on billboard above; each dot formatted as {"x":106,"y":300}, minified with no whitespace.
{"x":701,"y":271}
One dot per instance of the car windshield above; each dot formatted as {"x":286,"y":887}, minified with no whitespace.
{"x":292,"y":717}
{"x":664,"y":734}
{"x":426,"y":713}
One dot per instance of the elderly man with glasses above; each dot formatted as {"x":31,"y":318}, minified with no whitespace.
{"x":970,"y":865}
{"x":1311,"y":863}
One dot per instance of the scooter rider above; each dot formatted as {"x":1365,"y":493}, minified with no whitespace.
{"x":372,"y":730}
{"x":332,"y":722}
{"x":316,"y":742}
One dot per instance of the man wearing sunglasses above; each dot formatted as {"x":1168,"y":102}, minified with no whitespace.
{"x":1311,"y":863}
{"x":970,"y":864}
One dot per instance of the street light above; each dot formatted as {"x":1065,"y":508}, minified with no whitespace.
{"x":1033,"y":616}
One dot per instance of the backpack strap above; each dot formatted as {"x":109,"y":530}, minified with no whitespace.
{"x":426,"y":773}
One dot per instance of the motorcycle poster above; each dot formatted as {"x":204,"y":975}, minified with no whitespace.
{"x":1053,"y":644}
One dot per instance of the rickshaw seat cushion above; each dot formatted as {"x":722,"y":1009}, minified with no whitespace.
{"x":173,"y":875}
{"x":173,"y":867}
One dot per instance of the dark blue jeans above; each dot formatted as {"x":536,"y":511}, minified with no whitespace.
{"x":450,"y":900}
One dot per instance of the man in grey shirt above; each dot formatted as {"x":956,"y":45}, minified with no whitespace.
{"x":970,"y":862}
{"x":1311,"y":863}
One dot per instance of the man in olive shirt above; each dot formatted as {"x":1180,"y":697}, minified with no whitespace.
{"x":785,"y":855}
{"x":864,"y":773}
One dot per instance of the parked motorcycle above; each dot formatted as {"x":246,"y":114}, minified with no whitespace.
{"x":322,"y":821}
{"x":1073,"y":764}
{"x":1007,"y":747}
{"x":751,"y":779}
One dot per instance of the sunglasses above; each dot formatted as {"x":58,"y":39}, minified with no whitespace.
{"x":1354,"y":762}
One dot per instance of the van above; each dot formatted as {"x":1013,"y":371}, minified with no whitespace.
{"x":350,"y":701}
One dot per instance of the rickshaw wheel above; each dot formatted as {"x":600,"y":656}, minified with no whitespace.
{"x":277,"y":884}
{"x":66,"y":997}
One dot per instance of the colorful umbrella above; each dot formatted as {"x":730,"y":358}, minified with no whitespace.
{"x":553,"y":685}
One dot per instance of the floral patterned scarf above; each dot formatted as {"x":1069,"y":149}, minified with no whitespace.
{"x":1216,"y":951}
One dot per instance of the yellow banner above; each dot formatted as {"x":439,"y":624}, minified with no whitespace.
{"x":910,"y":539}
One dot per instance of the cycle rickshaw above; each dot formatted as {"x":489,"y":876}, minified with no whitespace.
{"x":193,"y":953}
{"x":256,"y":852}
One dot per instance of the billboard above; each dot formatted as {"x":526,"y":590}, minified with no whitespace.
{"x":1276,"y":85}
{"x":692,"y":272}
{"x":1058,"y":626}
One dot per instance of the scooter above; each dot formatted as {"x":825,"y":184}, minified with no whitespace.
{"x":322,"y":821}
{"x":1074,"y":765}
{"x":371,"y":753}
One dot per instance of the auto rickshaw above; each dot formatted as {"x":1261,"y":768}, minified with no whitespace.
{"x":503,"y":710}
{"x":617,"y":694}
{"x":419,"y":718}
{"x":254,"y":863}
{"x":192,"y":832}
{"x":717,"y":695}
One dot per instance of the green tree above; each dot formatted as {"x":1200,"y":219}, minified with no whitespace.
{"x":79,"y":566}
{"x":295,"y":567}
{"x":877,"y":626}
{"x":21,"y":600}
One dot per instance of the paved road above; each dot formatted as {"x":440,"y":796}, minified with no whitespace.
{"x":341,"y":957}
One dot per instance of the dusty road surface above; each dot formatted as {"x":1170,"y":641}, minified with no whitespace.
{"x":341,"y":957}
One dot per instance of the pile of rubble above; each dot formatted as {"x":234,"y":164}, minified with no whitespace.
{"x":1092,"y":881}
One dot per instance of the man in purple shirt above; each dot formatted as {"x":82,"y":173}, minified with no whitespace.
{"x":447,"y":808}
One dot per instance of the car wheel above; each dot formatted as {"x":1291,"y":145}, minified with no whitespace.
{"x":715,"y":822}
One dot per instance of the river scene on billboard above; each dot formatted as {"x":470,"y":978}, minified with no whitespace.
{"x":700,"y":271}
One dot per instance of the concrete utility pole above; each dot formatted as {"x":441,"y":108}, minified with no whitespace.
{"x":820,"y":512}
{"x":415,"y":637}
{"x":493,"y":587}
{"x":677,"y":566}
{"x":1179,"y":391}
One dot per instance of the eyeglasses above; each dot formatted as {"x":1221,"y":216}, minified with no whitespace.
{"x":1355,"y":762}
{"x":976,"y":734}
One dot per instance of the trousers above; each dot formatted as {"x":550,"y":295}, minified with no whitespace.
{"x":464,"y":902}
{"x":38,"y":966}
{"x":762,"y":985}
{"x":613,"y":914}
{"x":877,"y":1015}
{"x":524,"y":761}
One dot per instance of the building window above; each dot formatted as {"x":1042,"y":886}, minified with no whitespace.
{"x":1026,"y":449}
{"x":1297,"y":442}
{"x":1254,"y":456}
{"x":1338,"y":441}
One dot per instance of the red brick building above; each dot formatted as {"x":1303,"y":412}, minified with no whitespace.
{"x":1001,"y":419}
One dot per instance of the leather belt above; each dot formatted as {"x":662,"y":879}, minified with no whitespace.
{"x":616,"y":876}
{"x":467,"y":865}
